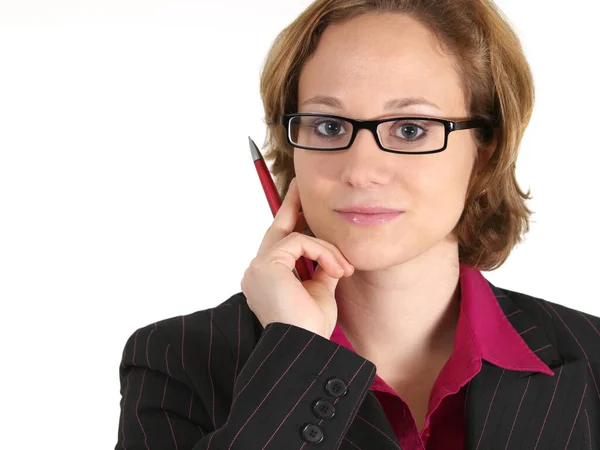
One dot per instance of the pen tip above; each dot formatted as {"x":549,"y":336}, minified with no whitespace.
{"x":256,"y":155}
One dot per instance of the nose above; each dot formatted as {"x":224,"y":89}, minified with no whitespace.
{"x":364,"y":163}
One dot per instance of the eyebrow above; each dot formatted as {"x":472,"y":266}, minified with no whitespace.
{"x":397,"y":103}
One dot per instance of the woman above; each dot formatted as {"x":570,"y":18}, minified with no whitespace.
{"x":398,"y":341}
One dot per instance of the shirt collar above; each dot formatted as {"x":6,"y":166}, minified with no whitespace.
{"x":483,"y":331}
{"x":495,"y":338}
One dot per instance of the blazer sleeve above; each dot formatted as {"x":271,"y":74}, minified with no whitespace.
{"x":295,"y":388}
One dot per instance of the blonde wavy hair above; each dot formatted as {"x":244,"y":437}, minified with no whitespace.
{"x":498,"y":87}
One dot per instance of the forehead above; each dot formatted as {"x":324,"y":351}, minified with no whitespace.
{"x":369,"y":59}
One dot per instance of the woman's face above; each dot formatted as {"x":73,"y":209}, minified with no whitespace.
{"x":364,"y":63}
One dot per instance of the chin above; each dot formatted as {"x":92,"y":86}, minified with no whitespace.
{"x":382,"y":250}
{"x":376,"y":264}
{"x":370,"y":254}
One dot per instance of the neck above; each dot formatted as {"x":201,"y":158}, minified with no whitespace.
{"x":406,"y":315}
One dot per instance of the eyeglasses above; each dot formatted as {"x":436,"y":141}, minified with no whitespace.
{"x":406,"y":135}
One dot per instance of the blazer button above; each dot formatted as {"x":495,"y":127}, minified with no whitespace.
{"x":324,"y":409}
{"x":312,"y":433}
{"x":336,"y":387}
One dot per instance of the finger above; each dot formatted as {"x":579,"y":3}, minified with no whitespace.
{"x":301,"y":223}
{"x":341,"y":259}
{"x":323,"y":276}
{"x":332,"y":249}
{"x":287,"y":215}
{"x":349,"y":268}
{"x":295,"y":245}
{"x":285,"y":220}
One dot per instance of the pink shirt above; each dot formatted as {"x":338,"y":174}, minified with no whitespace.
{"x":483,"y":332}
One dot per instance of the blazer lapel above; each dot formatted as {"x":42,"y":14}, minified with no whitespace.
{"x":370,"y":428}
{"x":501,"y":406}
{"x":507,"y":409}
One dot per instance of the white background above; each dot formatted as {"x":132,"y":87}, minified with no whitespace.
{"x":128,"y":195}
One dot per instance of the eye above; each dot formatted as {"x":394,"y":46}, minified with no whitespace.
{"x":408,"y":131}
{"x":330,"y":128}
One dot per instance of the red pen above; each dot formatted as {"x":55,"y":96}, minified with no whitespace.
{"x":304,"y":266}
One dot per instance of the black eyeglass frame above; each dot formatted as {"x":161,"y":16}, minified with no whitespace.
{"x":371,"y":125}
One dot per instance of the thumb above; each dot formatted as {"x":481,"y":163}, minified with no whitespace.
{"x":324,"y":279}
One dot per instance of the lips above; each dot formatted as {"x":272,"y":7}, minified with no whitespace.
{"x":369,"y":219}
{"x":367,"y":209}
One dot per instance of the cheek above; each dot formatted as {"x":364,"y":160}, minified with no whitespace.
{"x":314,"y":163}
{"x":315,"y":172}
{"x":440,"y":192}
{"x":313,"y":180}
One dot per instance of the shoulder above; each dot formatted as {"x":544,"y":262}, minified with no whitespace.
{"x":573,"y":332}
{"x":197,"y":322}
{"x":181,"y":337}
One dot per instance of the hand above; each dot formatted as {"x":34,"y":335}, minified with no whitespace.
{"x":272,"y":290}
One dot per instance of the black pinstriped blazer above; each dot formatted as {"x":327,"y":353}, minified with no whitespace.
{"x":216,"y":380}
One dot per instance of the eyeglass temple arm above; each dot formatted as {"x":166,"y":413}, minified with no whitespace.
{"x":467,"y":124}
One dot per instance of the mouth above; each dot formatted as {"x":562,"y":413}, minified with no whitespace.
{"x":368,"y":209}
{"x":368,"y":219}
